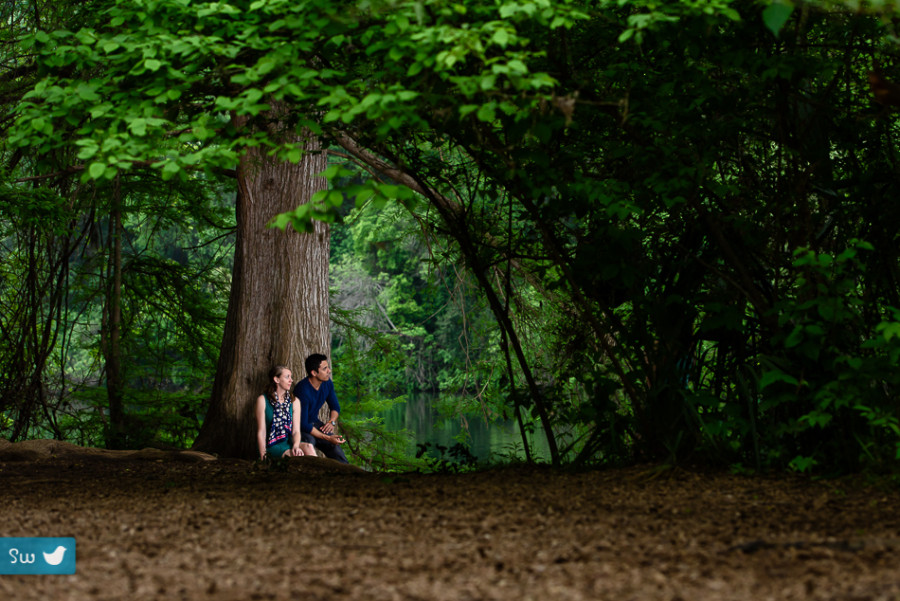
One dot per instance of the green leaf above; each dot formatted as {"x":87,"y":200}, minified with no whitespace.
{"x":87,"y":91}
{"x":817,"y":418}
{"x":88,"y":151}
{"x":486,"y":112}
{"x":794,"y":338}
{"x":889,"y":329}
{"x":815,"y":330}
{"x":826,"y":311}
{"x":280,"y":221}
{"x":138,"y":127}
{"x":364,"y":196}
{"x":802,"y":464}
{"x":517,"y":66}
{"x":96,"y":170}
{"x":170,"y":169}
{"x":227,"y":104}
{"x":319,"y":196}
{"x":466,"y":109}
{"x":776,"y":15}
{"x":335,"y":198}
{"x":100,"y":110}
{"x":302,"y":226}
{"x":301,"y":218}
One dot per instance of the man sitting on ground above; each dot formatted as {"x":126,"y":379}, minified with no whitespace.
{"x":314,"y":392}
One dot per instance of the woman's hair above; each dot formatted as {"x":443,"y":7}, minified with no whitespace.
{"x":274,"y":373}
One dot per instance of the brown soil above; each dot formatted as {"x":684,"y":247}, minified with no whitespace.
{"x":157,"y":525}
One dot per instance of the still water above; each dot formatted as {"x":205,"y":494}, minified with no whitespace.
{"x":499,"y":440}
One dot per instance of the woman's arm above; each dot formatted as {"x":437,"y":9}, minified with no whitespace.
{"x":295,"y":428}
{"x":261,"y":425}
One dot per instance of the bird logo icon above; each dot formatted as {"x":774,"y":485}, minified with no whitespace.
{"x":55,"y":558}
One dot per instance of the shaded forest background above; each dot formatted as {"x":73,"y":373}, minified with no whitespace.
{"x":651,"y":233}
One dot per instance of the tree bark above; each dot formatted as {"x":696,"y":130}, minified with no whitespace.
{"x":278,"y":311}
{"x":111,"y":331}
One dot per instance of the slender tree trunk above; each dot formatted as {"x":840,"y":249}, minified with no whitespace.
{"x":278,"y":309}
{"x":116,"y":437}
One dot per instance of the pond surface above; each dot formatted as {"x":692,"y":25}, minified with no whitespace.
{"x":500,"y":439}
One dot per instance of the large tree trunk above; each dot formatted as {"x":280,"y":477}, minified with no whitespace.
{"x":278,"y":309}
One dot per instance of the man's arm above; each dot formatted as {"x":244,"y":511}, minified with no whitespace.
{"x":332,"y":438}
{"x":334,"y":407}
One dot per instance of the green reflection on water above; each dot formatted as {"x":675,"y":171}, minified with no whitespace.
{"x":500,"y":438}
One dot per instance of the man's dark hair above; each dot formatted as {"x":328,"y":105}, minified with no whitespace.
{"x":313,"y":362}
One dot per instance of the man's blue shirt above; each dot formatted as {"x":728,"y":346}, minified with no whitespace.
{"x":311,"y":401}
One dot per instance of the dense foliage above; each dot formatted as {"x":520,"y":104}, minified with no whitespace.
{"x":666,"y":232}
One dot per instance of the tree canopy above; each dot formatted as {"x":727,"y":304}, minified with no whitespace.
{"x":679,"y":216}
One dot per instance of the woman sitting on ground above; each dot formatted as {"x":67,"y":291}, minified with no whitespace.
{"x":278,"y":418}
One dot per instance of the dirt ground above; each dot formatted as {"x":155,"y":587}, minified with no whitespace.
{"x":162,"y":525}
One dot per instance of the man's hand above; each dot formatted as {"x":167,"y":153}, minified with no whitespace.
{"x":327,"y":428}
{"x":336,"y":439}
